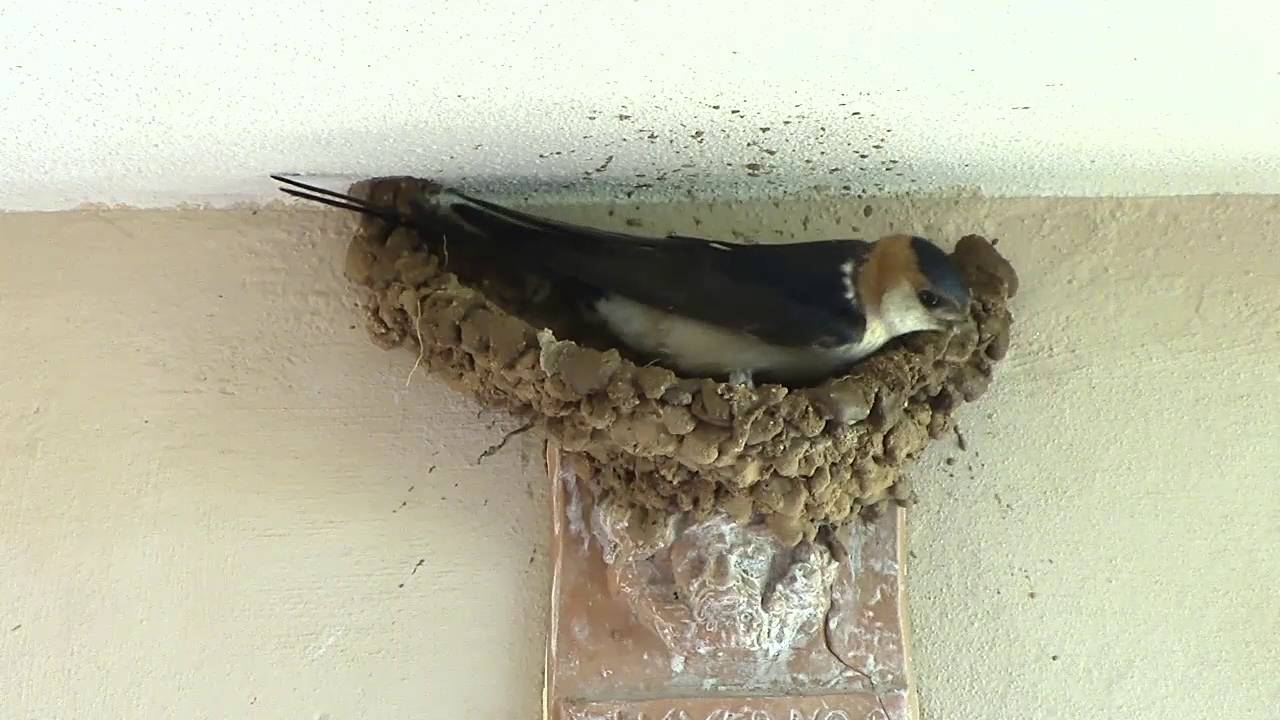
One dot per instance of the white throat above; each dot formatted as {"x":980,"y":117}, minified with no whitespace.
{"x":901,"y":312}
{"x":874,"y":335}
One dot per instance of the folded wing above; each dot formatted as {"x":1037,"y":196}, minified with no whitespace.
{"x":788,"y":294}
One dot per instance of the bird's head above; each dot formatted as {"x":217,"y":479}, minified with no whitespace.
{"x":911,"y":285}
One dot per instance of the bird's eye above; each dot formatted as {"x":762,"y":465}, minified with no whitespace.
{"x":929,"y":299}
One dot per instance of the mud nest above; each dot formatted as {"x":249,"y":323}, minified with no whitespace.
{"x":798,"y":458}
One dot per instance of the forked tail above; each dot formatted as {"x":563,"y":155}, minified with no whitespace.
{"x":460,"y":210}
{"x":340,"y":200}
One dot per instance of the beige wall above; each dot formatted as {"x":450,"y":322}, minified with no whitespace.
{"x":214,"y":491}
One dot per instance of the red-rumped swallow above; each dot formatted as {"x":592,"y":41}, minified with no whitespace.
{"x":791,"y":313}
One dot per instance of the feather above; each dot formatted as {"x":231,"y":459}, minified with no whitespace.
{"x":793,"y":295}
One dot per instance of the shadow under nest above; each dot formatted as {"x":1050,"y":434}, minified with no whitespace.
{"x":798,"y":458}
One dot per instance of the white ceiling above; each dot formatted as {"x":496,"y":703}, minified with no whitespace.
{"x":164,"y":103}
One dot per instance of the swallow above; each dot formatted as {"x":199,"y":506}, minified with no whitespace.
{"x":789,"y":313}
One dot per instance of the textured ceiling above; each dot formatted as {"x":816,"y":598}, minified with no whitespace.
{"x":195,"y":102}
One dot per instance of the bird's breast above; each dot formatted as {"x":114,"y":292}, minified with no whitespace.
{"x":697,"y":348}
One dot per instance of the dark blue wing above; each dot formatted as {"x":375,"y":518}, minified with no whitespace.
{"x":786,"y":294}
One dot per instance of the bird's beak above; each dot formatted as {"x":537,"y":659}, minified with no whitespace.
{"x":957,"y":317}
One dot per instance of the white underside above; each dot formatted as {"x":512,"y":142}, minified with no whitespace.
{"x":701,"y":349}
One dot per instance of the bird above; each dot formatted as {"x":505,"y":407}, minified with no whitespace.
{"x":794,"y":314}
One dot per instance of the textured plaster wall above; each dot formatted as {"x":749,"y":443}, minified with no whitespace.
{"x":160,"y":103}
{"x":218,"y":499}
